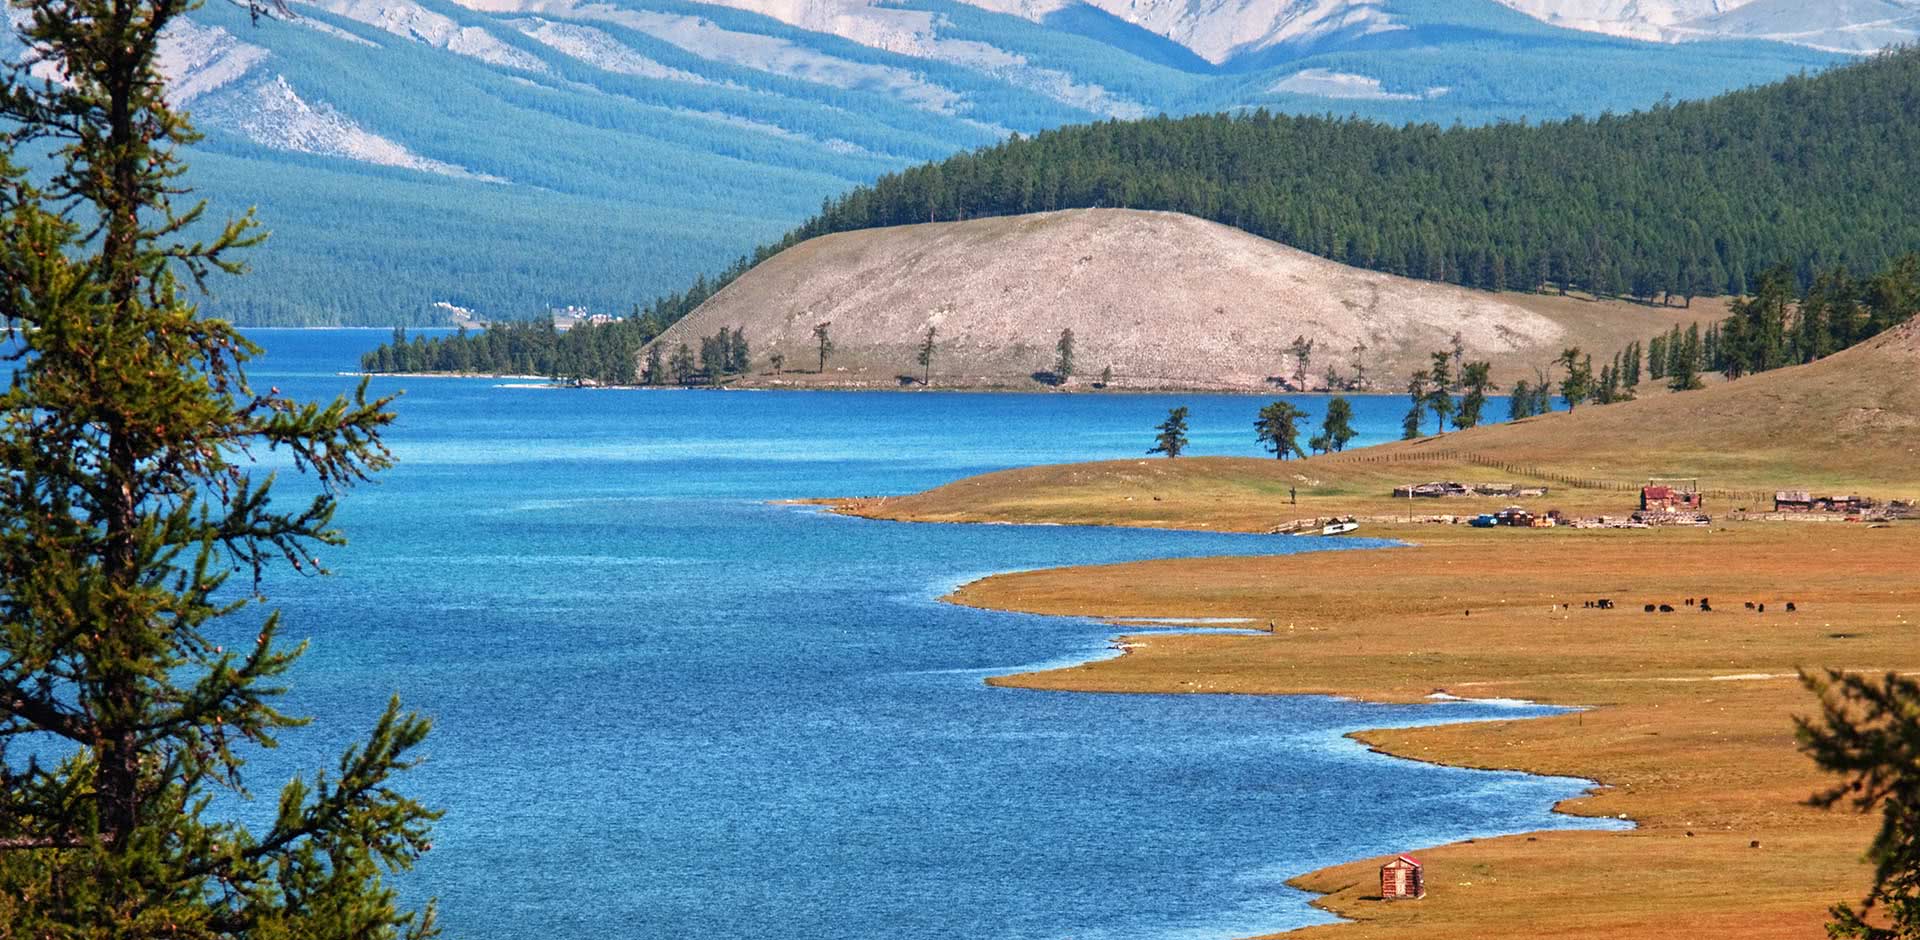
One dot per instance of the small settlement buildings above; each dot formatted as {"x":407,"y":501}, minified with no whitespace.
{"x":1665,"y":497}
{"x":1803,"y":501}
{"x":1401,"y":879}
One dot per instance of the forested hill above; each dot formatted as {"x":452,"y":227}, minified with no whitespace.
{"x":1690,"y":198}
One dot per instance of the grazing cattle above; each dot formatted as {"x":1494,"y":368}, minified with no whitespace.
{"x":1790,"y":607}
{"x":1666,"y":608}
{"x":1703,"y":602}
{"x":1705,"y":607}
{"x":1749,"y":605}
{"x":1606,"y":603}
{"x":1762,"y":608}
{"x":1689,"y":602}
{"x":1649,"y":608}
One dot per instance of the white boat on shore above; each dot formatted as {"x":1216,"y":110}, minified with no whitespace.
{"x":1339,"y":528}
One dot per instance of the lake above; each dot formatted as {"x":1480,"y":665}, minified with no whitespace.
{"x":668,"y":707}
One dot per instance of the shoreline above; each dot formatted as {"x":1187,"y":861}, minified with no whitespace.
{"x":880,"y":387}
{"x":1682,"y":726}
{"x":1123,"y":644}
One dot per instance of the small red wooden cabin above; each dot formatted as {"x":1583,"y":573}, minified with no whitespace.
{"x":1400,"y":880}
{"x":1662,"y":498}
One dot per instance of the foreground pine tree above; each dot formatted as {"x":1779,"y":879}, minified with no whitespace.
{"x":1868,"y":732}
{"x":134,"y":529}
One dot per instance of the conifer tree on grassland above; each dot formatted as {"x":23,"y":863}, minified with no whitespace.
{"x":1474,"y":380}
{"x":1063,"y":357}
{"x":1542,"y":392}
{"x":1578,"y":382}
{"x":1439,"y":390}
{"x":1520,"y":401}
{"x":1868,"y":732}
{"x":1278,"y":427}
{"x":1336,"y":428}
{"x":1417,"y":394}
{"x":128,"y":500}
{"x":1172,"y":438}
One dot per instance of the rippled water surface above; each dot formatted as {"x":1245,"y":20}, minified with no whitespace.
{"x":668,"y":708}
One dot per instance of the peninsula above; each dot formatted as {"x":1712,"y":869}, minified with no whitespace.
{"x":1689,"y":714}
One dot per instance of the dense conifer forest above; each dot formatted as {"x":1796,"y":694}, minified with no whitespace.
{"x":1686,"y":199}
{"x":1682,"y":200}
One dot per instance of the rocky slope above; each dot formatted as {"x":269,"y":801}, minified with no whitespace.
{"x":1164,"y":300}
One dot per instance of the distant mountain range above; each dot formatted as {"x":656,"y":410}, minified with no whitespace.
{"x":511,"y":156}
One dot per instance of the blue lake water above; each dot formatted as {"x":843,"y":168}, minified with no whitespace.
{"x":667,"y":708}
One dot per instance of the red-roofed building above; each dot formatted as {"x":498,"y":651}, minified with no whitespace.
{"x":1401,"y":880}
{"x":1660,"y":497}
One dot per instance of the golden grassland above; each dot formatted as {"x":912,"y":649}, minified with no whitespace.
{"x":1691,"y":723}
{"x":1689,"y":728}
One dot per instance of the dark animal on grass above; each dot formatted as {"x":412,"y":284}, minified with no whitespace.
{"x":1749,"y":605}
{"x":1705,"y":607}
{"x":1762,"y":608}
{"x":1689,"y":602}
{"x":1606,"y":603}
{"x":1791,"y":607}
{"x":1650,"y":608}
{"x":1666,"y":608}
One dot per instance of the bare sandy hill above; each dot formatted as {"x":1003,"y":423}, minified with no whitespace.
{"x":1165,"y":300}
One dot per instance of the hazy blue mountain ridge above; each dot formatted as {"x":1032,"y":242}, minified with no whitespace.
{"x":547,"y":153}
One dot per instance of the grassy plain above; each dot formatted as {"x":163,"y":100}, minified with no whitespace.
{"x":1689,"y":729}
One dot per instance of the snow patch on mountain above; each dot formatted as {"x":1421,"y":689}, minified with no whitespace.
{"x":1326,"y":83}
{"x":598,"y":49}
{"x":1637,"y":19}
{"x":779,"y":56}
{"x":1219,"y":30}
{"x":269,"y":112}
{"x":903,"y":32}
{"x":201,"y":59}
{"x":772,"y":54}
{"x":410,"y":20}
{"x":1845,"y":26}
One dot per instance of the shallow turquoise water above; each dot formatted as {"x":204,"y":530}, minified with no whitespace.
{"x":668,"y":708}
